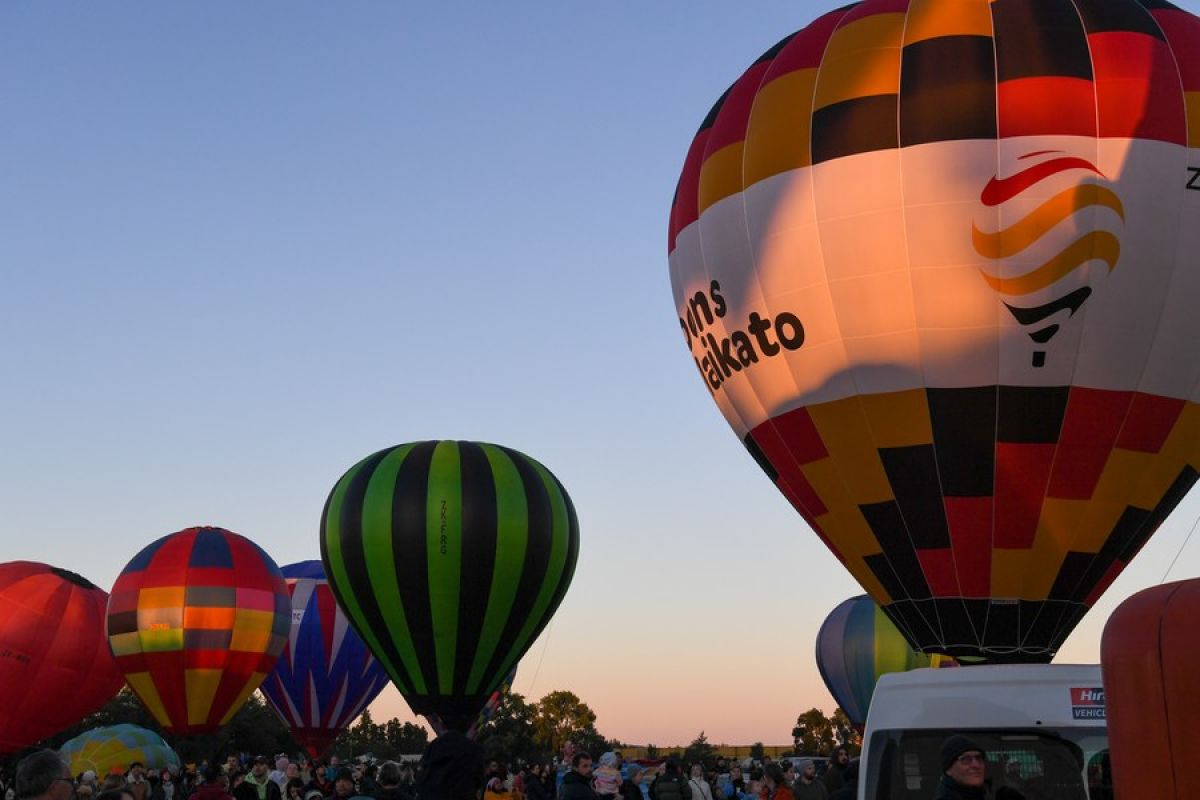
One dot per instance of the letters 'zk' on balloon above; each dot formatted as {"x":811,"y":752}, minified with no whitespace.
{"x":935,"y":261}
{"x":196,"y":621}
{"x":55,"y":667}
{"x":449,"y":558}
{"x":325,"y":676}
{"x":856,"y":645}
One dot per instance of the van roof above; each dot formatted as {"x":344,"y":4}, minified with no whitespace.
{"x":1009,"y":695}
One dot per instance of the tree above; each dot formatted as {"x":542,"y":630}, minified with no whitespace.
{"x":844,"y":732}
{"x":509,"y":734}
{"x":814,"y":733}
{"x":699,"y":751}
{"x":558,"y":716}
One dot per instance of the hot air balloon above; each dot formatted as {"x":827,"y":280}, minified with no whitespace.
{"x":857,"y":644}
{"x":933,"y":259}
{"x":117,"y":747}
{"x":196,"y":621}
{"x":55,"y":667}
{"x":325,"y":676}
{"x":449,"y":558}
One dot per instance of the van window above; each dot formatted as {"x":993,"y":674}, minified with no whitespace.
{"x":1039,"y":764}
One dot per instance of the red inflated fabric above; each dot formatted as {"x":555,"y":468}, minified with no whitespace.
{"x":1149,"y":653}
{"x":55,"y":665}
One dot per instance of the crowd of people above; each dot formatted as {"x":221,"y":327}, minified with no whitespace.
{"x":454,"y":769}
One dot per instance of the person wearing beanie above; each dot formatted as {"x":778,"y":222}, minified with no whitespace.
{"x":806,"y":785}
{"x":963,"y":766}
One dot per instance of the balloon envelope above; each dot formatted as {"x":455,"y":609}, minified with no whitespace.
{"x":856,"y":645}
{"x":115,"y":747}
{"x":325,"y":676}
{"x":934,"y":261}
{"x":196,"y":621}
{"x":55,"y":667}
{"x":449,"y":558}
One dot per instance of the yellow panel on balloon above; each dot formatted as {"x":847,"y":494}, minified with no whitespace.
{"x":124,"y":644}
{"x":862,"y":60}
{"x":931,"y":19}
{"x":202,"y":687}
{"x":777,"y":136}
{"x":1193,"y":118}
{"x":1056,"y":526}
{"x":850,"y":531}
{"x":160,"y":597}
{"x":253,"y":683}
{"x":721,"y":175}
{"x":843,"y":429}
{"x":161,"y":640}
{"x":899,"y":419}
{"x":143,"y":686}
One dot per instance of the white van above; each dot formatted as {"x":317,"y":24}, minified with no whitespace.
{"x":1043,"y":728}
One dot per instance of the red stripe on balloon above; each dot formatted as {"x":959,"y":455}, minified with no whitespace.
{"x":998,"y":190}
{"x":1022,"y":474}
{"x":1045,"y":106}
{"x":970,"y":522}
{"x":1137,"y":88}
{"x":1150,"y":420}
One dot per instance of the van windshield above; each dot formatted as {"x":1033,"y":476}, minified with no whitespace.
{"x":1038,"y":764}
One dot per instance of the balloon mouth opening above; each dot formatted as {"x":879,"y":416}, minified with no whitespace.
{"x":72,"y":577}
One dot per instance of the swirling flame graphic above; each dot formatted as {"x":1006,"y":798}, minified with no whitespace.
{"x":1098,"y":245}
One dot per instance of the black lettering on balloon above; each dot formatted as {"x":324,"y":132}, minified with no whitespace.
{"x":714,"y":291}
{"x":760,"y":327}
{"x":1192,"y":184}
{"x":745,"y":348}
{"x":789,"y":330}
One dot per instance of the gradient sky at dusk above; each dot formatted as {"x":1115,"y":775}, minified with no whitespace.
{"x":247,"y":244}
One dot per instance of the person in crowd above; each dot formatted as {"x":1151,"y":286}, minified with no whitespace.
{"x":835,"y":773}
{"x":319,"y":782}
{"x":84,"y":792}
{"x":450,"y":769}
{"x":293,"y":790}
{"x":733,"y":783}
{"x":232,"y":764}
{"x":135,"y":779}
{"x":849,"y":790}
{"x":606,"y":778}
{"x":806,"y":786}
{"x":257,"y":785}
{"x":114,"y":780}
{"x":963,"y":766}
{"x":532,"y":784}
{"x":391,"y":784}
{"x":214,"y":787}
{"x":43,"y":775}
{"x":631,"y":787}
{"x":343,"y":785}
{"x":279,"y":774}
{"x":777,"y":785}
{"x":670,"y":785}
{"x":701,"y":790}
{"x":577,"y":783}
{"x":367,"y":784}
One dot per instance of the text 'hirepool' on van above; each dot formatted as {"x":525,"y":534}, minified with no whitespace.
{"x":1043,"y":728}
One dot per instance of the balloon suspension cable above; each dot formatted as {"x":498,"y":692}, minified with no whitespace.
{"x":538,"y":668}
{"x":1182,"y":547}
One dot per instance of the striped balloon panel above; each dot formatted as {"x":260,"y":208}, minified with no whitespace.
{"x":856,"y":645}
{"x":325,"y":677}
{"x":196,"y":621}
{"x":933,"y":261}
{"x":449,"y":558}
{"x":116,"y":747}
{"x":55,"y":667}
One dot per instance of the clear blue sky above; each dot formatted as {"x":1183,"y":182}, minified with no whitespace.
{"x":244,"y":245}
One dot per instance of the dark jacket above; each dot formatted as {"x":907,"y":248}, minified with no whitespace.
{"x":575,"y":787}
{"x":950,"y":789}
{"x":248,"y":790}
{"x":670,"y":787}
{"x":629,"y":790}
{"x":210,"y":791}
{"x":534,"y":788}
{"x":834,"y":777}
{"x":394,"y":793}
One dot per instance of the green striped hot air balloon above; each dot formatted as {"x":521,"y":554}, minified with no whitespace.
{"x":449,"y":558}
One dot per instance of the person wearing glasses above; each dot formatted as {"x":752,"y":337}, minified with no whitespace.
{"x":963,"y":767}
{"x":44,"y":776}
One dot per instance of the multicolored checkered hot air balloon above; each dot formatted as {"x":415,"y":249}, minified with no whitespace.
{"x":935,"y":262}
{"x":116,"y":747}
{"x":449,"y":558}
{"x":196,"y":621}
{"x":326,"y":676}
{"x":55,"y":667}
{"x":856,"y":645}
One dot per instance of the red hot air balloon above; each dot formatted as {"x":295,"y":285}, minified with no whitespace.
{"x":196,"y":621}
{"x":55,"y":667}
{"x":935,"y":262}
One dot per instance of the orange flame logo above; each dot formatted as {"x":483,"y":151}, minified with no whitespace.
{"x":1093,"y":245}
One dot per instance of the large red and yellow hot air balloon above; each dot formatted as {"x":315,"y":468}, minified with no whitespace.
{"x":55,"y":667}
{"x":934,"y":260}
{"x":196,"y":621}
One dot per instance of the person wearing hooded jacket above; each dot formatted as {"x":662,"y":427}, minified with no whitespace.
{"x":964,"y":764}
